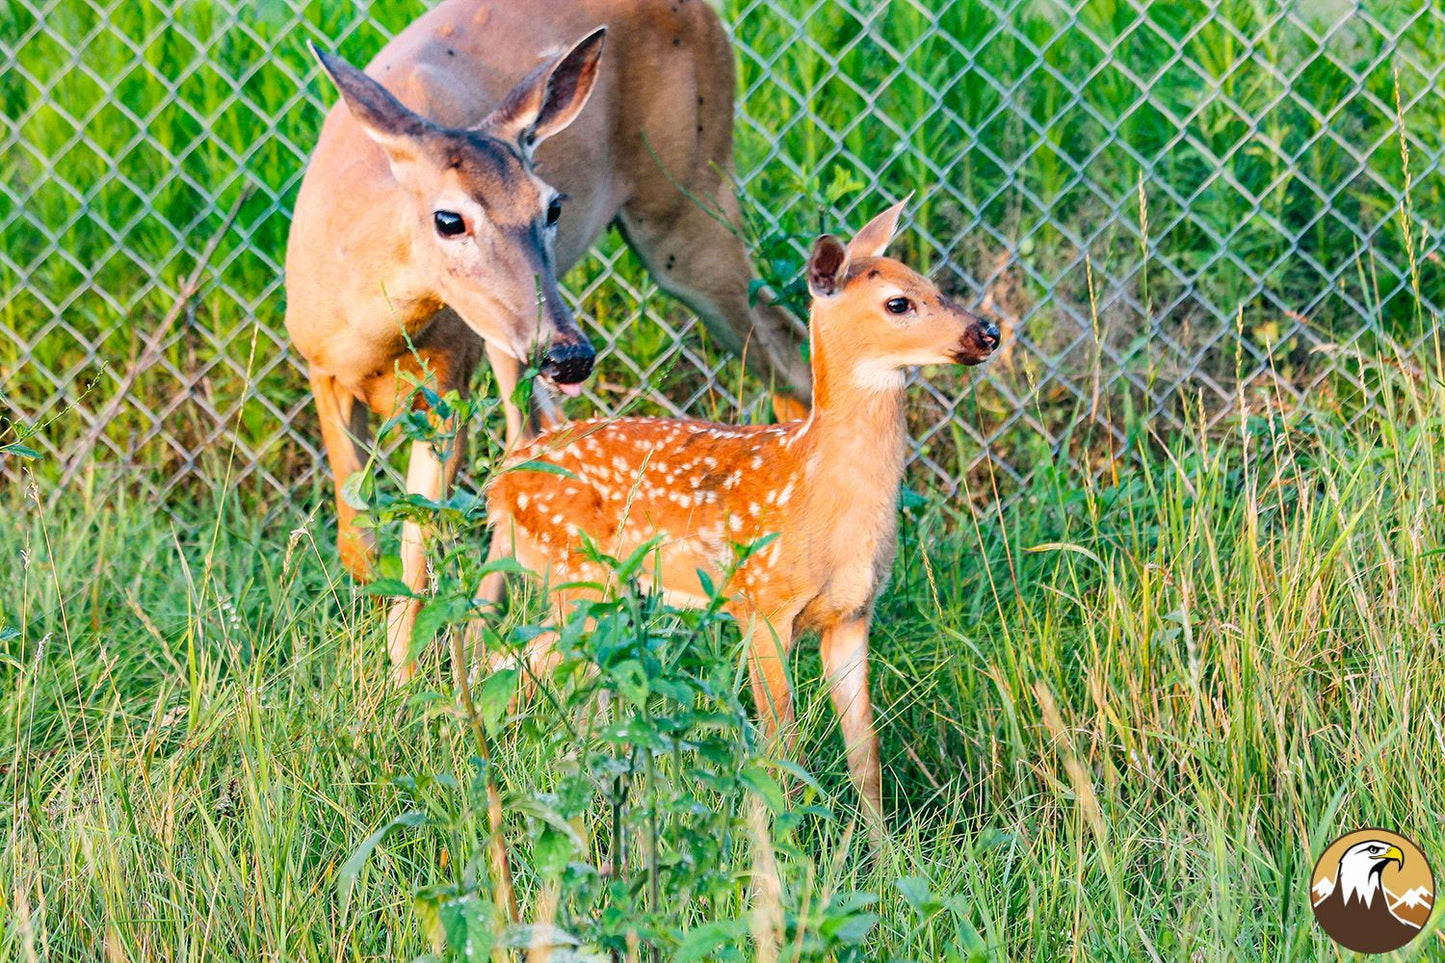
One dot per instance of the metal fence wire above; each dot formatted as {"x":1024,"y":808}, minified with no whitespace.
{"x":1166,"y":205}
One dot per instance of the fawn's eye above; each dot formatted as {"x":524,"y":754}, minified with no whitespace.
{"x":898,"y":305}
{"x":554,"y":212}
{"x":448,"y":223}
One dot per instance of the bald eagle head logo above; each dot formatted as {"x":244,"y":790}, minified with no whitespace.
{"x":1372,"y":891}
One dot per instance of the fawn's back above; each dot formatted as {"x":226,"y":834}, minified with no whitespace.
{"x":706,"y":489}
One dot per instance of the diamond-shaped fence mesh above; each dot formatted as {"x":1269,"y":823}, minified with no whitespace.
{"x":1162,"y":203}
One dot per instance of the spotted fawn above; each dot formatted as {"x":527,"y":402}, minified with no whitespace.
{"x":825,"y":489}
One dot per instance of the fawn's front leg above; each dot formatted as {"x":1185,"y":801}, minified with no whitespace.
{"x":769,"y":643}
{"x":844,"y":651}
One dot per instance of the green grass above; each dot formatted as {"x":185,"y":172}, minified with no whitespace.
{"x":1120,"y":715}
{"x":1119,"y":720}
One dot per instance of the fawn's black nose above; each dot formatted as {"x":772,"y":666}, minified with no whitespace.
{"x":569,"y":362}
{"x":988,"y":334}
{"x":977,"y":343}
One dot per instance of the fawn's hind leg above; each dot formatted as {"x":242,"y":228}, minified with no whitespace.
{"x":844,"y":651}
{"x":769,"y":642}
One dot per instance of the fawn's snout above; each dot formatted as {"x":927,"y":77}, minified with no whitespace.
{"x":980,"y":338}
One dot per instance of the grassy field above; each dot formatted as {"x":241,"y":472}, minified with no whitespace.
{"x":1122,"y":710}
{"x":1119,"y":722}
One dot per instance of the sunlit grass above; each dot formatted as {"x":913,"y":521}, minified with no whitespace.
{"x":1119,"y":720}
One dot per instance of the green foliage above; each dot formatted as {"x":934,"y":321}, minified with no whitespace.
{"x":1253,"y":151}
{"x":1119,"y":720}
{"x":638,"y":823}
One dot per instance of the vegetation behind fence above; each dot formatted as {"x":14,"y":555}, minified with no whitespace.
{"x":1163,"y":203}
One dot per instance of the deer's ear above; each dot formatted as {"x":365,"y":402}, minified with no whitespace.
{"x":873,"y":240}
{"x":827,"y":266}
{"x":550,"y":97}
{"x":384,"y":118}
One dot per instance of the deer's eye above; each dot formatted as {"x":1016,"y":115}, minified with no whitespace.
{"x":898,"y":305}
{"x":554,"y":212}
{"x":449,"y":223}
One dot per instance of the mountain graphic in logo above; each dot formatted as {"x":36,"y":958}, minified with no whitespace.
{"x":1372,"y":891}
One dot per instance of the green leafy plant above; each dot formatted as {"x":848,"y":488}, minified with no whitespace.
{"x":657,"y":807}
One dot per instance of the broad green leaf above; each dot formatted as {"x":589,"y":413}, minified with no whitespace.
{"x":467,"y":924}
{"x":390,"y":587}
{"x":354,"y":491}
{"x":853,"y":928}
{"x":346,"y":876}
{"x":705,"y":940}
{"x":494,"y":694}
{"x":629,"y":566}
{"x":435,"y":615}
{"x":507,"y":565}
{"x":916,"y":891}
{"x":552,"y":851}
{"x":630,"y":680}
{"x":969,"y":938}
{"x":760,"y":781}
{"x":537,"y":465}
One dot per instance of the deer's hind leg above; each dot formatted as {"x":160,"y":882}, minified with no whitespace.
{"x":695,"y":256}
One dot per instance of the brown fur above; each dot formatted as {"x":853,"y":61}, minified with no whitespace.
{"x":825,"y":487}
{"x":363,"y":272}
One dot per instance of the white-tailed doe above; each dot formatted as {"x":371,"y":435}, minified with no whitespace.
{"x":461,"y":175}
{"x":826,"y":488}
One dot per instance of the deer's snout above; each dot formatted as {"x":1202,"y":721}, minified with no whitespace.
{"x":569,"y":362}
{"x":980,"y":338}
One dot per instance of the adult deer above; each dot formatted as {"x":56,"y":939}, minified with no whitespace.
{"x":826,"y":488}
{"x":425,"y":233}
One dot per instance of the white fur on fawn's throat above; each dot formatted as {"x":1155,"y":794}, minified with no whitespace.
{"x":823,"y":489}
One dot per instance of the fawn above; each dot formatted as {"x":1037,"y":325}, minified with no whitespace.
{"x":825,"y":487}
{"x":460,"y":175}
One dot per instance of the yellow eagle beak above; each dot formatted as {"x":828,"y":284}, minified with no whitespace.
{"x":1394,"y":853}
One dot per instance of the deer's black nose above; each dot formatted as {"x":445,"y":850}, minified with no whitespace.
{"x":569,"y":362}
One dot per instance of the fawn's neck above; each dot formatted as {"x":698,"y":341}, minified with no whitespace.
{"x":856,"y":438}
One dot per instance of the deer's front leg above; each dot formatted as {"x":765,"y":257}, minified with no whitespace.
{"x":427,"y":476}
{"x":844,"y":651}
{"x":345,"y":432}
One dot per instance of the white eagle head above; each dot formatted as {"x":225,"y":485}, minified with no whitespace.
{"x":1360,"y":868}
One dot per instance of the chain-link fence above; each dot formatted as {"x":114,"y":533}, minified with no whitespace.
{"x":1163,"y":204}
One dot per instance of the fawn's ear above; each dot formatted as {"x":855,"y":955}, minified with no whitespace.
{"x":384,"y":118}
{"x":550,"y":97}
{"x":873,"y":240}
{"x":827,"y":266}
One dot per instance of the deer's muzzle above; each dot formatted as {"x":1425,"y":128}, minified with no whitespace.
{"x":569,"y":362}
